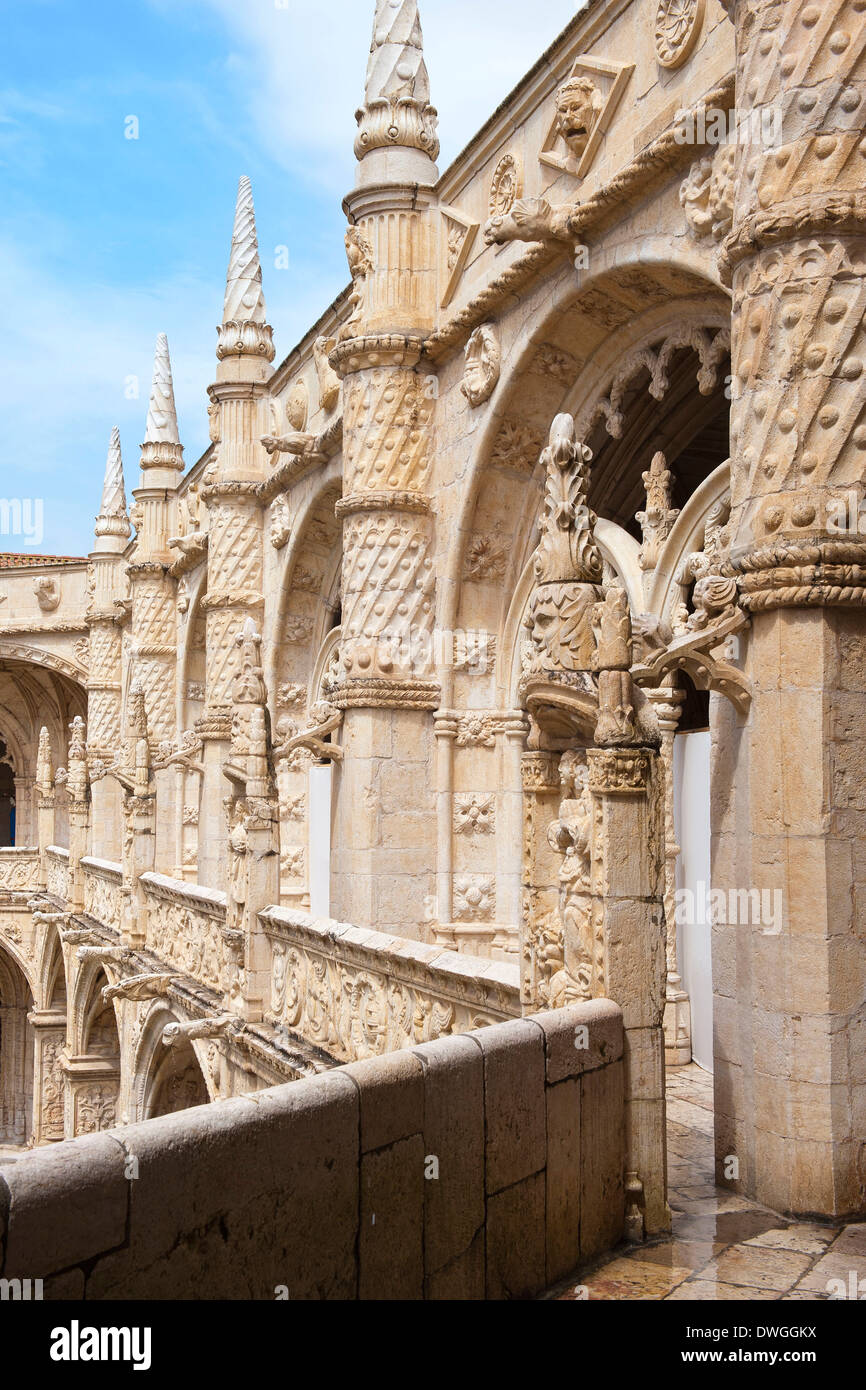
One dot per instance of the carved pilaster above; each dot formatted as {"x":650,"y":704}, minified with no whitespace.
{"x":667,"y":704}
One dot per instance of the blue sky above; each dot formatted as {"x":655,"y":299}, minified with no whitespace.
{"x":106,"y":241}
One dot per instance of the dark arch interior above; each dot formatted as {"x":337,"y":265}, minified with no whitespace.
{"x":7,"y":800}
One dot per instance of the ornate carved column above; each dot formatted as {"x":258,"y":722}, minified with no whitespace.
{"x":45,"y":803}
{"x":139,"y":819}
{"x":108,"y":588}
{"x":252,"y":811}
{"x":788,"y":812}
{"x":239,"y":422}
{"x":154,"y":592}
{"x":626,"y":779}
{"x":667,"y":704}
{"x":78,"y":789}
{"x":593,"y":919}
{"x":385,"y":820}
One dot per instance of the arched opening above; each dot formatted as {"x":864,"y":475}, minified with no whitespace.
{"x":16,"y":1054}
{"x":176,"y":1082}
{"x":33,"y":696}
{"x":95,"y":1070}
{"x":7,"y":798}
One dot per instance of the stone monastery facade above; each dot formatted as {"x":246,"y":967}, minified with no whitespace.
{"x":394,"y":716}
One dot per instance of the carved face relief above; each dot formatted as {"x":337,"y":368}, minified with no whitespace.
{"x":560,"y":627}
{"x":577,"y":105}
{"x":483,"y":365}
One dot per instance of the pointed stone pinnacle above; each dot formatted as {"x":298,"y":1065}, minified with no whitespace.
{"x":245,"y":299}
{"x":244,"y":328}
{"x":161,"y":447}
{"x":397,"y":110}
{"x":113,"y":519}
{"x":162,"y":416}
{"x":396,"y":67}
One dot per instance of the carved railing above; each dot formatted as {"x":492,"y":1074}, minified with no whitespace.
{"x":19,"y":870}
{"x":185,"y":925}
{"x":358,"y":993}
{"x":57,"y":871}
{"x":102,"y":883}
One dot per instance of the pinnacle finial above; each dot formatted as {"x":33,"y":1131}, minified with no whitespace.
{"x":162,"y":415}
{"x":113,"y":519}
{"x":161,"y":447}
{"x":397,"y":110}
{"x":244,"y":328}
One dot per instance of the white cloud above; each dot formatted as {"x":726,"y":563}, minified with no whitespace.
{"x":303,"y":67}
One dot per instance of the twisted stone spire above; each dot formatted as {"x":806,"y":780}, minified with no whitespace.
{"x":161,"y":447}
{"x":244,"y":329}
{"x":112,"y":519}
{"x":397,"y":110}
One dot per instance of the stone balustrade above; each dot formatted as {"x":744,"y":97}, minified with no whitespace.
{"x":186,"y":926}
{"x":57,"y":871}
{"x":358,"y":993}
{"x":102,"y":885}
{"x":19,"y":870}
{"x":493,"y":1164}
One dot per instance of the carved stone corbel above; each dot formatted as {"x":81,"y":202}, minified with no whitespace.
{"x":694,"y":652}
{"x":327,"y":719}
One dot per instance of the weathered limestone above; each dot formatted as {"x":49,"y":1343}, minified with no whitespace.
{"x":105,"y":617}
{"x":456,"y":1149}
{"x":786,"y":815}
{"x":385,"y":803}
{"x":240,"y":419}
{"x":382,"y":698}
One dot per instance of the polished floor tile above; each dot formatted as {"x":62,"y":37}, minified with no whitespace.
{"x":722,"y":1247}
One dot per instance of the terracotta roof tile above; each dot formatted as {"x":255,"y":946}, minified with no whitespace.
{"x":15,"y":562}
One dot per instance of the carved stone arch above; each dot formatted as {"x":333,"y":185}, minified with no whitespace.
{"x":157,"y":1068}
{"x":581,"y":332}
{"x":16,"y":955}
{"x":16,"y":1047}
{"x":326,"y":654}
{"x":314,"y":547}
{"x":191,"y":654}
{"x":52,"y":970}
{"x":686,"y":537}
{"x":88,"y":1007}
{"x":18,"y":651}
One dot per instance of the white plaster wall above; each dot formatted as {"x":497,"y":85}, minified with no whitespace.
{"x":692,"y":822}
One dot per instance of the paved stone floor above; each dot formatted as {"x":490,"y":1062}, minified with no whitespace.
{"x":722,"y":1246}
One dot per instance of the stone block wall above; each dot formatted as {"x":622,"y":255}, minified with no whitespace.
{"x":481,"y":1166}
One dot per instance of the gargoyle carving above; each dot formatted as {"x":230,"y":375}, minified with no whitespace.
{"x":138,"y":987}
{"x":218,"y":1026}
{"x":535,"y":219}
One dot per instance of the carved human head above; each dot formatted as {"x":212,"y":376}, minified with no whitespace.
{"x":577,"y":106}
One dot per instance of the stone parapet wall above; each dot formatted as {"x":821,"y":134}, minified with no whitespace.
{"x":481,"y":1166}
{"x":360,"y":993}
{"x":19,"y":870}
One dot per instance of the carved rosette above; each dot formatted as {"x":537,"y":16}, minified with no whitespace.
{"x":677,"y":30}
